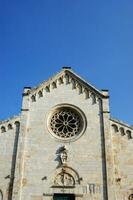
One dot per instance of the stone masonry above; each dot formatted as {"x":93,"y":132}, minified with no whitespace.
{"x":65,"y":144}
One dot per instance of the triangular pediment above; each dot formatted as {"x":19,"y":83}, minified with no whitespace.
{"x":67,"y":76}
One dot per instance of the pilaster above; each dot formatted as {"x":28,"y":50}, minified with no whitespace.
{"x":107,"y":146}
{"x":21,"y":145}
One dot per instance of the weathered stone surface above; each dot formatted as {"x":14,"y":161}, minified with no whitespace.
{"x":95,"y":164}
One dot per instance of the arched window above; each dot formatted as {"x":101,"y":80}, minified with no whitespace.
{"x":1,"y":195}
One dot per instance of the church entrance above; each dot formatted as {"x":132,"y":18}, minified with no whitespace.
{"x":64,"y":197}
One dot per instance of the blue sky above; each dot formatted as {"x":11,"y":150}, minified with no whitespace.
{"x":94,"y":37}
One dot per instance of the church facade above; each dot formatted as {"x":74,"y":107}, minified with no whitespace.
{"x":64,"y":145}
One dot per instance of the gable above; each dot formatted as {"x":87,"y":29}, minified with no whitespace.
{"x":66,"y":76}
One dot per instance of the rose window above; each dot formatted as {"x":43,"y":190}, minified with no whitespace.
{"x":66,"y":122}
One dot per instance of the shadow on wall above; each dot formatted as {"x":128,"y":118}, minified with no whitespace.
{"x":13,"y":164}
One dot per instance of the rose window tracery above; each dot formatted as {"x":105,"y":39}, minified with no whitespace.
{"x":65,"y":123}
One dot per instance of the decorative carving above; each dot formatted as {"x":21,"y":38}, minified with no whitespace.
{"x":64,"y":179}
{"x":130,"y":197}
{"x":65,"y":176}
{"x":54,"y":85}
{"x":66,"y":78}
{"x":79,"y":87}
{"x":122,"y":130}
{"x":63,"y":155}
{"x":47,"y":88}
{"x":40,"y":94}
{"x":93,"y":96}
{"x":60,"y":80}
{"x":73,"y":83}
{"x":129,"y":134}
{"x":65,"y":123}
{"x":3,"y":129}
{"x":86,"y":92}
{"x":33,"y":98}
{"x":10,"y":126}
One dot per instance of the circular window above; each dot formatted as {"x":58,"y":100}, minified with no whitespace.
{"x":66,"y":122}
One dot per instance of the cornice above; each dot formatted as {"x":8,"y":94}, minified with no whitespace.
{"x":66,"y":76}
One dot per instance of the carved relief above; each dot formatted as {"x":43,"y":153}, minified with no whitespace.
{"x":63,"y":155}
{"x":65,"y":176}
{"x":64,"y":179}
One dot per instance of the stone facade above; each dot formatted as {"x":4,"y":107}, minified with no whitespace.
{"x":65,"y":145}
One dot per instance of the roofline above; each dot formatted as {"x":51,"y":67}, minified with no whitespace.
{"x":9,"y":119}
{"x":72,"y":73}
{"x":121,"y":123}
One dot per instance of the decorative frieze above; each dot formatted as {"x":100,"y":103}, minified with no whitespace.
{"x":8,"y":125}
{"x":122,"y":130}
{"x":66,"y":78}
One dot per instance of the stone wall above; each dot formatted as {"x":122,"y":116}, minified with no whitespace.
{"x":40,"y":166}
{"x":122,"y":148}
{"x":7,"y":154}
{"x":35,"y":163}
